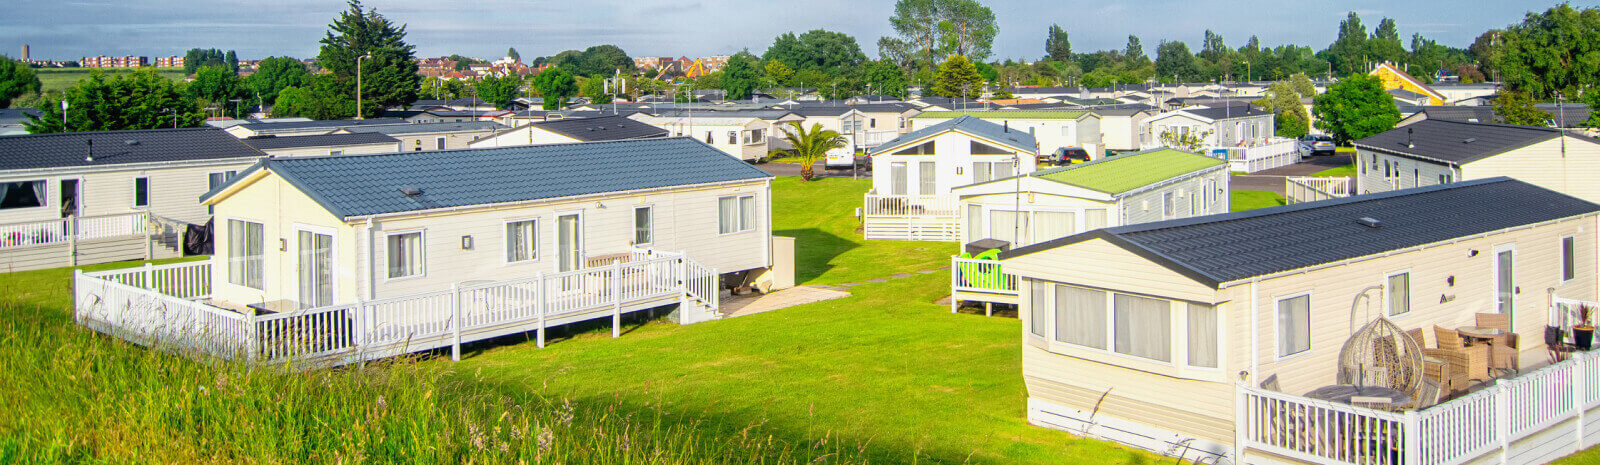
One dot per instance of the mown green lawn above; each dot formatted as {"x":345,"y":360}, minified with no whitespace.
{"x":1251,"y":200}
{"x":820,"y":215}
{"x":1343,"y":171}
{"x":62,"y":78}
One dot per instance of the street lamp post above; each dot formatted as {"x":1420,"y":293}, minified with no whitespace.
{"x":358,"y":83}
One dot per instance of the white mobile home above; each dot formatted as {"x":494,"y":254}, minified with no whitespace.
{"x":1437,"y":151}
{"x":93,"y":197}
{"x":563,"y":131}
{"x":1121,"y":125}
{"x":418,"y":137}
{"x":1220,"y":126}
{"x":939,"y":158}
{"x":324,"y":144}
{"x":1051,"y":129}
{"x":745,"y":135}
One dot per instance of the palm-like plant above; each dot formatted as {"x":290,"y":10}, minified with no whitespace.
{"x":810,"y":146}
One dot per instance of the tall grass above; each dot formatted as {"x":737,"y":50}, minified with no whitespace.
{"x":74,"y":396}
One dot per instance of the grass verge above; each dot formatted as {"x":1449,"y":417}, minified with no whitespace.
{"x":1251,"y":200}
{"x":62,"y":78}
{"x":1343,"y":171}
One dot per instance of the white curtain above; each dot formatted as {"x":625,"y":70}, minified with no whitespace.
{"x":519,"y":241}
{"x":245,"y":249}
{"x":1081,"y":316}
{"x":1202,"y":336}
{"x":236,"y":252}
{"x":1094,"y":219}
{"x":22,"y":194}
{"x":1009,"y":226}
{"x":643,"y":225}
{"x":747,"y":213}
{"x":897,"y":178}
{"x":405,"y":255}
{"x":1400,"y":294}
{"x":1054,"y":225}
{"x":1003,"y":169}
{"x":974,"y":228}
{"x":981,"y":172}
{"x":1143,"y":327}
{"x":727,"y":215}
{"x":1039,"y":307}
{"x":925,"y":175}
{"x":1294,"y":325}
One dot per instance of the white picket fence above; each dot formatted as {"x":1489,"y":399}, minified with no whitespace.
{"x":980,"y":276}
{"x":64,"y":230}
{"x":911,"y":217}
{"x":1259,"y":156}
{"x":163,"y":306}
{"x":1530,"y":419}
{"x":1298,"y":189}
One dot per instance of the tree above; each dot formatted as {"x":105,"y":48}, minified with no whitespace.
{"x":16,"y":80}
{"x":216,"y":85}
{"x":142,"y":99}
{"x":195,"y":58}
{"x":815,"y":49}
{"x":810,"y":146}
{"x":740,"y":76}
{"x":1174,"y":60}
{"x":499,"y":90}
{"x":886,"y":78}
{"x":1057,"y":46}
{"x":1284,"y":102}
{"x":388,"y":77}
{"x":933,"y":28}
{"x":1593,"y":99}
{"x":1552,"y":52}
{"x":1193,"y":141}
{"x":1348,"y":52}
{"x":1514,"y":107}
{"x":1135,"y":50}
{"x":958,"y":78}
{"x":779,"y":72}
{"x":555,"y":85}
{"x":1385,"y":46}
{"x":274,"y":74}
{"x":1355,"y":107}
{"x":232,"y":60}
{"x":291,"y":101}
{"x":599,"y":59}
{"x":1303,"y":85}
{"x":513,"y":55}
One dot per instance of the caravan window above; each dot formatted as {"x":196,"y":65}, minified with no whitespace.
{"x":22,"y":194}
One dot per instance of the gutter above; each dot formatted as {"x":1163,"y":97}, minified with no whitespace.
{"x":354,"y":218}
{"x":86,"y":169}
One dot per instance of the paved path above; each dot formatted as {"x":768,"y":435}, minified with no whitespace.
{"x":737,"y":306}
{"x":793,"y":169}
{"x":1272,"y":180}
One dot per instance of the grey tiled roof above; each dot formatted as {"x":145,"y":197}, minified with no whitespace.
{"x":16,"y":115}
{"x":1234,"y":246}
{"x":1019,"y":140}
{"x":71,"y":149}
{"x":1227,"y":111}
{"x":319,"y":140}
{"x":360,"y":185}
{"x":1456,"y":142}
{"x":601,"y":128}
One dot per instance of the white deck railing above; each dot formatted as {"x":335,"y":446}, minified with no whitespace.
{"x":910,"y":205}
{"x":1298,"y":189}
{"x":61,"y":231}
{"x":1260,"y":156}
{"x":1464,"y":429}
{"x":911,"y":217}
{"x":159,"y":306}
{"x":983,"y":276}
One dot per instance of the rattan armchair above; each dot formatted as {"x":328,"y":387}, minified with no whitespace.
{"x":1477,"y":356}
{"x":1505,"y":349}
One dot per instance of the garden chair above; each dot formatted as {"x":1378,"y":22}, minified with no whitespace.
{"x":1477,"y":356}
{"x":1505,"y":348}
{"x":1426,"y":396}
{"x":1498,"y":321}
{"x":1555,"y":343}
{"x":1416,"y":335}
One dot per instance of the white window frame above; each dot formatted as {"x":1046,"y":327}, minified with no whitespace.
{"x":1277,"y":327}
{"x":652,"y":226}
{"x":1562,"y":272}
{"x":333,"y":255}
{"x":1181,"y":325}
{"x":1494,"y":272}
{"x":51,"y":186}
{"x":740,"y":228}
{"x":244,"y":272}
{"x":505,"y":243}
{"x":1388,"y":311}
{"x":147,"y":192}
{"x":422,"y":254}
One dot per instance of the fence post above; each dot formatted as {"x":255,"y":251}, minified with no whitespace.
{"x":455,"y":322}
{"x":72,"y":239}
{"x":1411,"y":447}
{"x":359,"y":338}
{"x":1241,"y":422}
{"x":149,"y":274}
{"x":252,"y":334}
{"x":539,"y":298}
{"x":1502,"y":420}
{"x":1580,"y":395}
{"x":683,"y":288}
{"x":616,"y":298}
{"x":955,"y":281}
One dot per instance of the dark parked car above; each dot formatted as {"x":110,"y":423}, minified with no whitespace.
{"x":1316,"y":144}
{"x":1065,"y":155}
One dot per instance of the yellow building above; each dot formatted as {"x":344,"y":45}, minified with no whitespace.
{"x":1394,"y":78}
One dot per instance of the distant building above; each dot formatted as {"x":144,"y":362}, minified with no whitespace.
{"x":103,"y":61}
{"x":25,"y":57}
{"x":169,"y":62}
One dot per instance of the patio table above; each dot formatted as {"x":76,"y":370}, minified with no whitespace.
{"x":1342,"y":393}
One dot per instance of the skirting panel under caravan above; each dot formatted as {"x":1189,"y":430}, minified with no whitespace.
{"x":1051,"y":415}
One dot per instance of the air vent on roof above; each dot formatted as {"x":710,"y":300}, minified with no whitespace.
{"x":1369,"y":222}
{"x":132,"y":142}
{"x":410,"y":191}
{"x":1469,"y":140}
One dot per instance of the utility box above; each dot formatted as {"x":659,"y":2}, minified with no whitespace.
{"x":980,"y":245}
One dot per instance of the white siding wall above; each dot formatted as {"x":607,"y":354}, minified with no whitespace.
{"x":174,"y":191}
{"x":363,"y":149}
{"x":430,"y":141}
{"x":1544,"y":165}
{"x":953,"y":158}
{"x":527,"y":135}
{"x":1188,"y":199}
{"x":1411,"y":172}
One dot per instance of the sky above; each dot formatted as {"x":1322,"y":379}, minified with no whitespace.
{"x":70,"y":29}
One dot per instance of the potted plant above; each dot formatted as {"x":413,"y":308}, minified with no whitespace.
{"x":1583,"y":332}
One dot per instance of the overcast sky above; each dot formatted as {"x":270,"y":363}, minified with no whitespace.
{"x":69,"y":29}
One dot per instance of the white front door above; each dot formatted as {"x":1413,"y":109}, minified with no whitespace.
{"x":569,"y":242}
{"x":315,"y":268}
{"x":1505,"y":288}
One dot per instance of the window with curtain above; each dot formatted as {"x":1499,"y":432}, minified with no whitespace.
{"x":405,"y":254}
{"x":974,"y":224}
{"x":1039,"y":306}
{"x":1009,"y":226}
{"x":1081,"y":316}
{"x":1294,"y":325}
{"x":1094,"y":219}
{"x":1202,"y":336}
{"x":747,"y":213}
{"x":643,"y":225}
{"x":1003,"y":169}
{"x":1569,"y":258}
{"x":897,"y":178}
{"x":23,"y":194}
{"x":1168,"y":209}
{"x":522,"y":241}
{"x":1142,"y":327}
{"x":245,"y":248}
{"x":925,"y":174}
{"x":141,"y":191}
{"x":736,"y":214}
{"x":1054,"y":225}
{"x":1399,"y":291}
{"x":982,"y":172}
